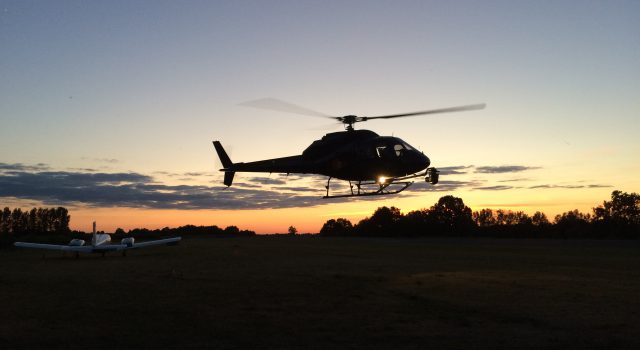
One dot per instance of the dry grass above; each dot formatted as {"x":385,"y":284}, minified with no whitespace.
{"x":323,"y":293}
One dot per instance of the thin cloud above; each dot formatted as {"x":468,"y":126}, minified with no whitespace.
{"x":102,"y":160}
{"x":22,"y":167}
{"x":267,"y":181}
{"x":549,"y":186}
{"x":494,"y":188}
{"x":507,"y":205}
{"x":241,"y":184}
{"x":503,"y":169}
{"x":455,"y":170}
{"x":141,"y":191}
{"x":298,"y":189}
{"x":522,"y":179}
{"x":197,"y":174}
{"x":86,"y":170}
{"x":444,"y":185}
{"x":135,"y":190}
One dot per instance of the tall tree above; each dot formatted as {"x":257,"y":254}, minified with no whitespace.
{"x":451,"y":215}
{"x":623,"y":208}
{"x":17,"y":221}
{"x":5,"y":223}
{"x":539,"y":219}
{"x":383,"y":222}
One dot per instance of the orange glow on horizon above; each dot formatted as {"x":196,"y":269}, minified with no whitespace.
{"x":305,"y":220}
{"x":311,"y":219}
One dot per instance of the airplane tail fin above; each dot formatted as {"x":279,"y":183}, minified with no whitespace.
{"x":93,"y":236}
{"x":226,"y":163}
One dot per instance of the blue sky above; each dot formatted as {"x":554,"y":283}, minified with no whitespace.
{"x":144,"y":86}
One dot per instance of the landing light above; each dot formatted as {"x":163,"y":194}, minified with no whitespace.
{"x":382,"y":179}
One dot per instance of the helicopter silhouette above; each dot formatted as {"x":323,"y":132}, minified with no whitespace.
{"x":374,"y":164}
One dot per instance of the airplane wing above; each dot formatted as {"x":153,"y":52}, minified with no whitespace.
{"x":109,"y":247}
{"x":97,"y":249}
{"x":58,"y":247}
{"x":166,"y":241}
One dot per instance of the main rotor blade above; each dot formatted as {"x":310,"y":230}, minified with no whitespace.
{"x":281,"y":106}
{"x":327,"y":127}
{"x":432,"y":111}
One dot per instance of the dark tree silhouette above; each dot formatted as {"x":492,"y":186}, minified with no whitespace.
{"x":337,"y":227}
{"x":452,"y":216}
{"x":623,"y":207}
{"x":484,"y":218}
{"x":35,"y":221}
{"x":618,"y":217}
{"x":539,"y":219}
{"x":418,"y":223}
{"x":5,"y":220}
{"x":234,"y":230}
{"x":572,"y":224}
{"x":383,"y":222}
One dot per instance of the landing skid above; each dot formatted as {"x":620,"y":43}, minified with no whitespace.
{"x":431,"y":175}
{"x":361,"y":191}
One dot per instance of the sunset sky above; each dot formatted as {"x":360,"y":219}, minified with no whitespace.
{"x":109,"y":108}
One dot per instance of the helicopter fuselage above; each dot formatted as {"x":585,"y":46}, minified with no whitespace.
{"x":362,"y":156}
{"x":354,"y":155}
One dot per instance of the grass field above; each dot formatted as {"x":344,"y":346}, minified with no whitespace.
{"x":325,"y":293}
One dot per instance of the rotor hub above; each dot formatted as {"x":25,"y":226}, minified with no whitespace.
{"x":349,"y":120}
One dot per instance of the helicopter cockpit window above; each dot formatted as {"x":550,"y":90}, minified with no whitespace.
{"x":406,"y":145}
{"x":381,"y":151}
{"x":390,"y":151}
{"x":398,"y":148}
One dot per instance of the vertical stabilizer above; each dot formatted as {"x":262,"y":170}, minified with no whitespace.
{"x":226,"y":163}
{"x":93,"y":237}
{"x":228,"y":177}
{"x":224,"y":158}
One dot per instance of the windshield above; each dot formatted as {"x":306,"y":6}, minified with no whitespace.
{"x":390,"y":151}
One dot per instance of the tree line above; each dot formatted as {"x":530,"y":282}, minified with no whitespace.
{"x":187,"y":230}
{"x":614,"y":219}
{"x":52,"y":225}
{"x":34,"y":221}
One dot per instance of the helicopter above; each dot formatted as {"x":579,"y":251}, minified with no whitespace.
{"x":373,"y":164}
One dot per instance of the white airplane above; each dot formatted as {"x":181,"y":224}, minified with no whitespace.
{"x":100,"y":243}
